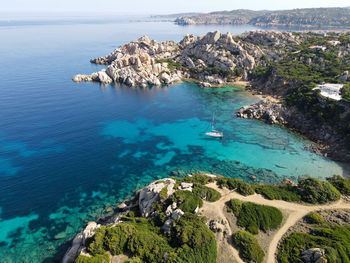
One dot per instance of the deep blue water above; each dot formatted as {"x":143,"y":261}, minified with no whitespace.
{"x":70,"y":150}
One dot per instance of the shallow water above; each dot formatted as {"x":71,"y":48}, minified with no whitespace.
{"x":70,"y":150}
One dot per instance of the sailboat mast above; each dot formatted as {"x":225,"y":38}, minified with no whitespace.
{"x":212,"y":123}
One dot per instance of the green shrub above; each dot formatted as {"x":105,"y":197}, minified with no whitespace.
{"x":273,"y":192}
{"x":198,"y":178}
{"x":316,"y":191}
{"x":235,"y":205}
{"x":95,"y":245}
{"x":95,"y":259}
{"x":116,"y":238}
{"x":236,"y":184}
{"x":342,"y":184}
{"x":253,"y":217}
{"x":195,"y":241}
{"x":163,"y":194}
{"x":206,"y":193}
{"x":248,"y":246}
{"x":134,"y":260}
{"x":187,"y":201}
{"x":148,"y":246}
{"x":334,"y":239}
{"x":314,"y":218}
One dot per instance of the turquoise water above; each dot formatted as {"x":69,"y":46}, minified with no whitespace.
{"x":69,"y":151}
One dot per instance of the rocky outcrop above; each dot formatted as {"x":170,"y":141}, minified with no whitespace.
{"x":270,"y":111}
{"x":150,"y":194}
{"x":327,"y":141}
{"x":314,"y":255}
{"x":213,"y":59}
{"x":78,"y":243}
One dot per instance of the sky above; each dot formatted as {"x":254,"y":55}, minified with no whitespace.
{"x":158,"y":6}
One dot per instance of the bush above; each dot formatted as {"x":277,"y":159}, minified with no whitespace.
{"x":95,"y":259}
{"x":342,"y":184}
{"x":134,"y":260}
{"x":207,"y":193}
{"x":315,"y":191}
{"x":334,"y":239}
{"x":187,"y":201}
{"x":195,"y":241}
{"x":314,"y":218}
{"x":248,"y":246}
{"x":236,"y":184}
{"x":253,"y":217}
{"x":273,"y":192}
{"x":148,"y":246}
{"x":235,"y":205}
{"x":199,"y":178}
{"x":116,"y":238}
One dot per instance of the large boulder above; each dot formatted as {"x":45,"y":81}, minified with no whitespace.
{"x":150,"y":194}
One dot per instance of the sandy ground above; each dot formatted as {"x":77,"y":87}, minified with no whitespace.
{"x":292,"y":212}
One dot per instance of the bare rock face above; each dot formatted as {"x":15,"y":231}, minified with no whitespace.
{"x":314,"y":255}
{"x":271,"y":112}
{"x":78,"y":242}
{"x":150,"y":194}
{"x":211,"y":58}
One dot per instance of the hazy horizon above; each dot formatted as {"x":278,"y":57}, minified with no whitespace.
{"x":153,"y":7}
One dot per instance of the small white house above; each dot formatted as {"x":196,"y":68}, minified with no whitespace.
{"x":318,"y":48}
{"x":330,"y":90}
{"x":334,"y":42}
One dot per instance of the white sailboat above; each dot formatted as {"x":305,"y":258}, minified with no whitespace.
{"x":214,"y":133}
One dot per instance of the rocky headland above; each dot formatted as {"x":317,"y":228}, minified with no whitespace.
{"x":212,"y":59}
{"x":312,"y":18}
{"x":205,"y":218}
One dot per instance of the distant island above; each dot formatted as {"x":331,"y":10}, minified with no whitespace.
{"x":304,"y":77}
{"x":205,"y":218}
{"x":296,"y":18}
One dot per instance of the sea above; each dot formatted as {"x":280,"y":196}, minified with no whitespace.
{"x":69,"y":152}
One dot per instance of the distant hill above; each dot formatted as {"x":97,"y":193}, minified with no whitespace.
{"x":306,"y":18}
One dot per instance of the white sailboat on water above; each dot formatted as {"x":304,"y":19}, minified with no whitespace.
{"x":214,"y":133}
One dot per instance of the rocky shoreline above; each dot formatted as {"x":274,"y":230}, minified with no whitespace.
{"x":326,"y":141}
{"x":202,"y":201}
{"x":211,"y":59}
{"x":217,"y":59}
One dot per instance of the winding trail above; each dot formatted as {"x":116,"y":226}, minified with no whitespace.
{"x":293,"y":212}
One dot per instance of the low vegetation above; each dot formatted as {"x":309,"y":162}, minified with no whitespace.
{"x":315,"y":191}
{"x":172,"y":65}
{"x":342,"y":184}
{"x":188,"y":201}
{"x":239,"y":185}
{"x":254,"y":217}
{"x":334,"y":239}
{"x":207,"y":193}
{"x":314,"y":218}
{"x":274,"y":192}
{"x":248,"y":246}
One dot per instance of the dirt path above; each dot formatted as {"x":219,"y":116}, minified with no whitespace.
{"x":294,"y":213}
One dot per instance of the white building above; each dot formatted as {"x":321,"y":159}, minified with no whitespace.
{"x":334,"y":42}
{"x":318,"y":48}
{"x":330,"y":90}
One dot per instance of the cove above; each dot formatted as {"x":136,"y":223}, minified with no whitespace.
{"x":69,"y":152}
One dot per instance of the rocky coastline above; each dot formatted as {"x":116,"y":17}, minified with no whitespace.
{"x":326,"y":141}
{"x":211,"y":59}
{"x":217,"y":59}
{"x":204,"y":207}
